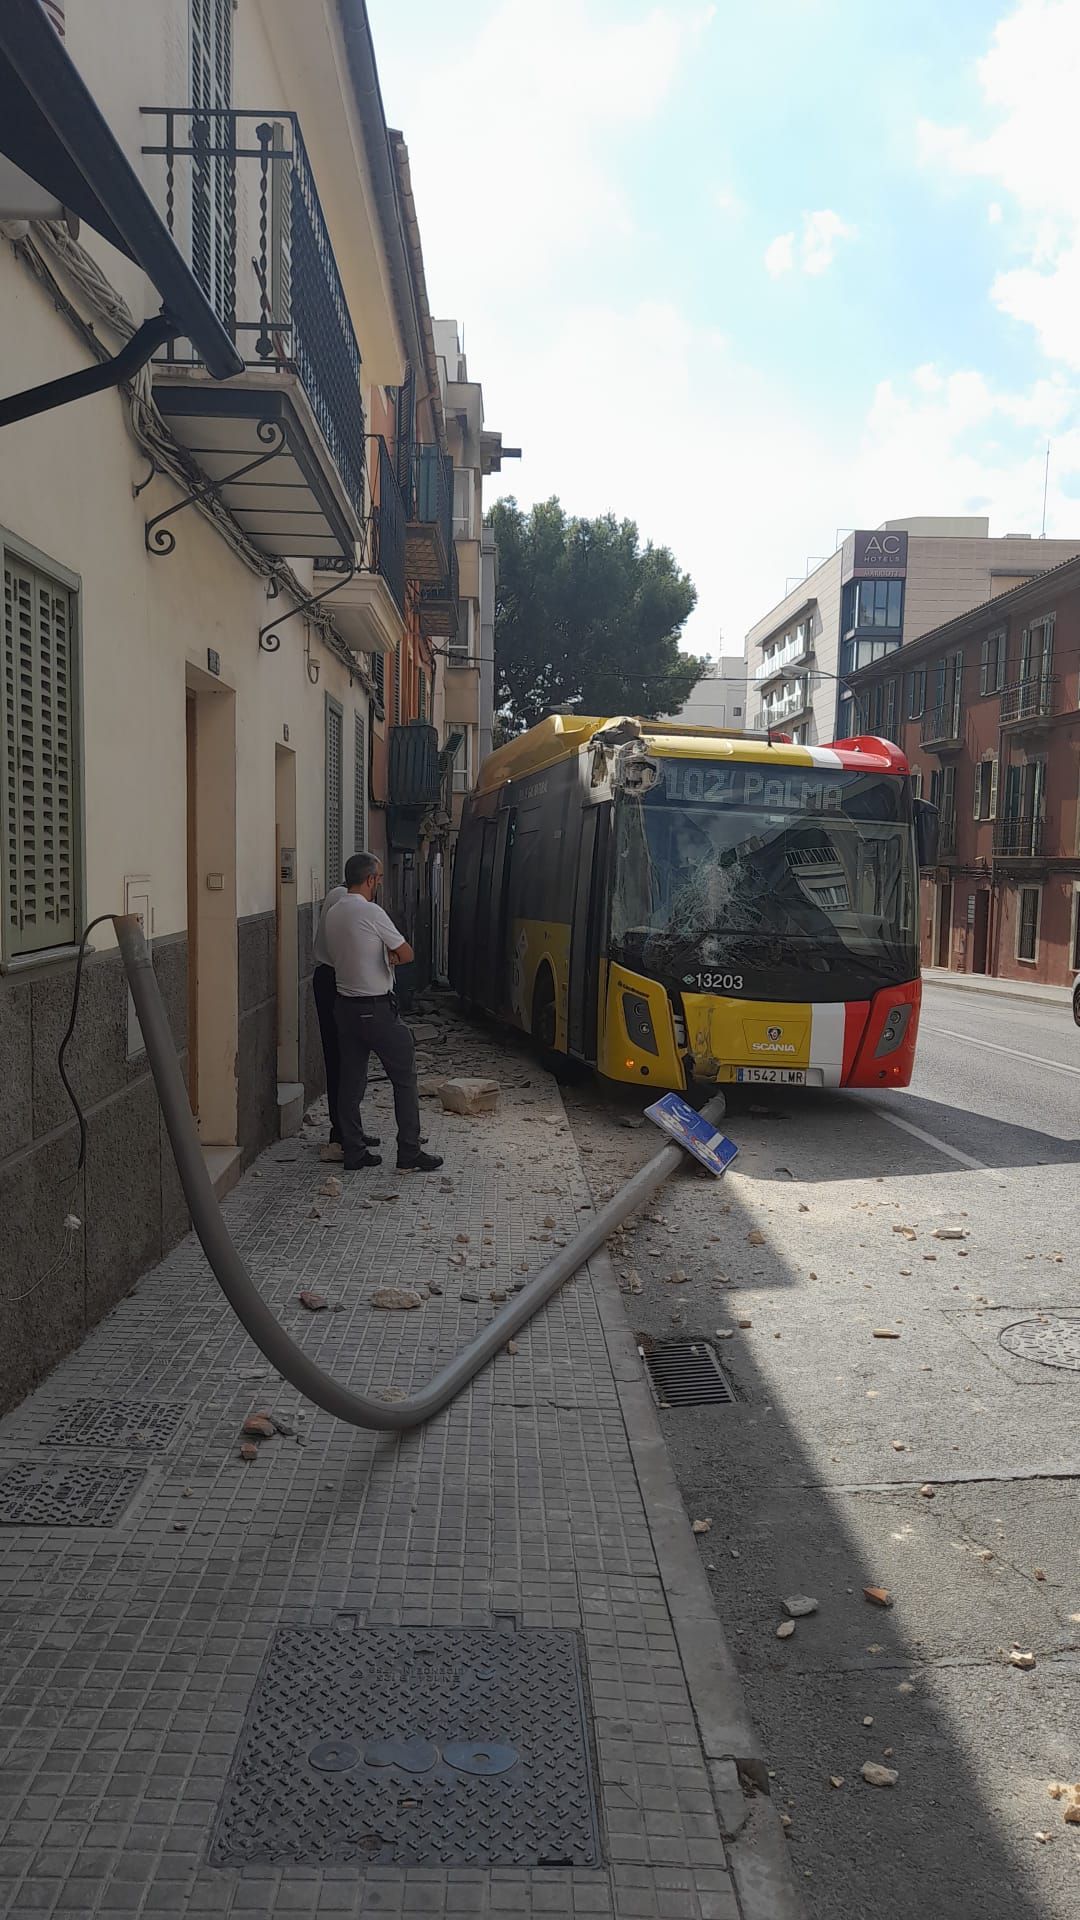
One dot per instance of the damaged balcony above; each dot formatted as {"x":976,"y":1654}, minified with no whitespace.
{"x":283,"y":443}
{"x":430,"y":540}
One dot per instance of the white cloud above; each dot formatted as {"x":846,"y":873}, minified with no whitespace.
{"x":995,"y":213}
{"x":780,"y":255}
{"x":1030,"y":79}
{"x":815,"y":250}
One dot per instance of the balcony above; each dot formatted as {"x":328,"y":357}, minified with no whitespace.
{"x":283,"y":444}
{"x":369,"y":605}
{"x":942,"y":728}
{"x":1029,"y":702}
{"x":796,"y":699}
{"x":439,"y":605}
{"x":777,"y":663}
{"x":430,"y":536}
{"x":1019,"y":838}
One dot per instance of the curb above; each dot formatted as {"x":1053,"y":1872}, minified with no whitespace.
{"x":1014,"y":991}
{"x":756,"y":1847}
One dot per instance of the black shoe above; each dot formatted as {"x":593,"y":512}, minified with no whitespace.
{"x":371,"y":1140}
{"x":420,"y":1163}
{"x":357,"y":1161}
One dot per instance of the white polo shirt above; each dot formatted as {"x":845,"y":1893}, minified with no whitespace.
{"x":359,"y":935}
{"x":320,"y":951}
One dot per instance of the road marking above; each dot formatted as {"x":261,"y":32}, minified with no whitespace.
{"x":931,"y":1140}
{"x":1033,"y":1059}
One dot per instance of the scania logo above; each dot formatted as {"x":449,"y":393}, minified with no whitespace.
{"x":776,"y":1033}
{"x":772,"y":1046}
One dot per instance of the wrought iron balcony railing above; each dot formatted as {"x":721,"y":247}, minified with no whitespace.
{"x":942,"y":726}
{"x":1029,"y":699}
{"x":430,"y":541}
{"x":1019,"y":838}
{"x":240,"y":200}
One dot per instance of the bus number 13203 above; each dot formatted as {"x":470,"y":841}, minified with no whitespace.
{"x":716,"y":982}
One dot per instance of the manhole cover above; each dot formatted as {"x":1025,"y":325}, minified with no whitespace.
{"x":686,"y":1373}
{"x":1049,"y":1340}
{"x":69,"y":1496}
{"x":413,"y":1747}
{"x":115,"y":1423}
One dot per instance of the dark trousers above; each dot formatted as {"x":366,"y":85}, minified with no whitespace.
{"x":324,"y":987}
{"x":367,"y":1027}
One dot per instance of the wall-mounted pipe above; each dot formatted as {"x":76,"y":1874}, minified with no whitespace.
{"x":357,"y":1409}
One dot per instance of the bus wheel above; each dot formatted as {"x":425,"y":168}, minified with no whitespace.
{"x":544,"y":1028}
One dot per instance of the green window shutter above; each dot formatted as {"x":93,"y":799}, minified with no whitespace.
{"x":37,"y":803}
{"x":360,"y":785}
{"x":334,"y":718}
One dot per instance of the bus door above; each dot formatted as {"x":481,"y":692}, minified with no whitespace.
{"x":489,"y":949}
{"x":585,"y":933}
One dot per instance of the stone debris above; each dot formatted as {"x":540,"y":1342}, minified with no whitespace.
{"x":755,"y":1238}
{"x":745,"y":1322}
{"x":878,"y":1776}
{"x":1018,"y":1658}
{"x":249,"y":1451}
{"x":878,"y":1596}
{"x":799,"y":1606}
{"x":928,"y":1492}
{"x":886,"y":1333}
{"x":314,"y":1302}
{"x":950,"y":1233}
{"x":702,"y":1526}
{"x":469,"y":1097}
{"x":512,"y":1348}
{"x":331,"y":1188}
{"x":397,"y":1299}
{"x":259,"y":1426}
{"x":836,"y":1779}
{"x":785,"y":1630}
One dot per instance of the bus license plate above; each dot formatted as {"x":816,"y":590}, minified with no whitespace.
{"x":772,"y":1076}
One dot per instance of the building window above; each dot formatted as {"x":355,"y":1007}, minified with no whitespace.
{"x":986,"y":788}
{"x":916,"y":693}
{"x":334,"y":728}
{"x":993,"y":662}
{"x":359,"y":783}
{"x":736,"y":713}
{"x":1027,"y":924}
{"x":212,"y":218}
{"x":916,"y":783}
{"x":879,"y":603}
{"x":39,"y":838}
{"x":462,"y":779}
{"x":463,"y":503}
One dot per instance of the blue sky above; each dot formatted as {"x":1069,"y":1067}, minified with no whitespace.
{"x":750,"y":274}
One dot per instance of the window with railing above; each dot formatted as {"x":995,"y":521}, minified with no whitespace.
{"x":986,"y":787}
{"x":240,"y":200}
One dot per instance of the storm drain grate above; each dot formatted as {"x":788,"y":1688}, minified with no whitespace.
{"x":69,"y":1496}
{"x":409,"y":1746}
{"x":115,"y":1423}
{"x":1049,"y":1340}
{"x":686,"y":1373}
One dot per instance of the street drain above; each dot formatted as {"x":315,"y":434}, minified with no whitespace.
{"x":1049,"y":1340}
{"x":115,"y":1423}
{"x":686,"y":1373}
{"x":68,"y":1496}
{"x":413,"y":1746}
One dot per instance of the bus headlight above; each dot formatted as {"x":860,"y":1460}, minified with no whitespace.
{"x":892,"y":1033}
{"x":639,"y":1023}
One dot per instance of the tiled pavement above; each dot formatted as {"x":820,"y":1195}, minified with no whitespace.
{"x":129,"y":1652}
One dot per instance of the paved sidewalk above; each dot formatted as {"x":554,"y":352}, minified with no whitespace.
{"x":1003,"y":989}
{"x":285,"y":1687}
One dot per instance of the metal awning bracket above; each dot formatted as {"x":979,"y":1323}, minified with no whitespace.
{"x":160,"y":539}
{"x":269,"y":640}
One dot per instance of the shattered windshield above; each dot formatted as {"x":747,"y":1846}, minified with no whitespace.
{"x":738,"y":868}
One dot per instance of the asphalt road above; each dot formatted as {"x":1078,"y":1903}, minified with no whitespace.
{"x":824,"y":1235}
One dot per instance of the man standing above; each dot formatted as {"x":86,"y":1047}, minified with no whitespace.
{"x":364,"y":947}
{"x":324,"y":989}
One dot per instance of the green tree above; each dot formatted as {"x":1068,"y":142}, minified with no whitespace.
{"x":586,"y":617}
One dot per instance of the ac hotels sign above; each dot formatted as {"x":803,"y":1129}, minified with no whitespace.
{"x":880,"y":556}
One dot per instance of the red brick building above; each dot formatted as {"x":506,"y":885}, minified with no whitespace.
{"x":987,"y":708}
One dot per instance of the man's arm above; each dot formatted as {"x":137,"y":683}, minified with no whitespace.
{"x":398,"y":950}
